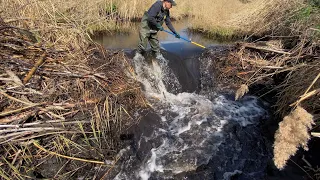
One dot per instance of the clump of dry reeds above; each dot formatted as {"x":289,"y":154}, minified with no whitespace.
{"x":301,"y":88}
{"x":57,"y":22}
{"x":63,"y":102}
{"x":57,"y":108}
{"x":287,"y":59}
{"x":225,"y":18}
{"x":271,"y":18}
{"x":293,"y":132}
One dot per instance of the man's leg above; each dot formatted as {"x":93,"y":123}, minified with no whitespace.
{"x":155,"y":46}
{"x":143,"y":42}
{"x":154,"y":43}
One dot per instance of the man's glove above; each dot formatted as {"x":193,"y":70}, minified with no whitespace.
{"x":177,"y":35}
{"x":160,"y":28}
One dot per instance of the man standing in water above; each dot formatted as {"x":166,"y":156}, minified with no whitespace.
{"x":151,"y":23}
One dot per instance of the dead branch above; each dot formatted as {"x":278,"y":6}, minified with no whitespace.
{"x":68,"y":157}
{"x":33,"y":70}
{"x":265,"y":48}
{"x":19,"y":117}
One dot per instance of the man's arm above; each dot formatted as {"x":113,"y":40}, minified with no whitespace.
{"x":169,"y":24}
{"x":153,"y":12}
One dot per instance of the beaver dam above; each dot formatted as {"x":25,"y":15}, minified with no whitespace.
{"x":77,"y":106}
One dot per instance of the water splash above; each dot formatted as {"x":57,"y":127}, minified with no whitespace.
{"x":157,"y":78}
{"x":192,"y":126}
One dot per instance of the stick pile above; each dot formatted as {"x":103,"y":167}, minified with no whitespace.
{"x":71,"y":105}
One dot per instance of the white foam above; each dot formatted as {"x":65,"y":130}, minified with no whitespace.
{"x":245,"y":113}
{"x":184,"y":129}
{"x":201,"y":121}
{"x":163,"y":119}
{"x":150,"y":167}
{"x":229,"y":175}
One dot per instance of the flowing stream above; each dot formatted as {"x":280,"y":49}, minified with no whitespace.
{"x":193,"y":132}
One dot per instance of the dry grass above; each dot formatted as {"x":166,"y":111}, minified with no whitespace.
{"x":75,"y":108}
{"x":134,"y":9}
{"x":68,"y":24}
{"x":76,"y":103}
{"x":227,"y":19}
{"x":224,"y":18}
{"x":285,"y":18}
{"x":294,"y":88}
{"x":291,"y":54}
{"x":293,"y":132}
{"x":268,"y":16}
{"x":56,"y":22}
{"x":234,"y":18}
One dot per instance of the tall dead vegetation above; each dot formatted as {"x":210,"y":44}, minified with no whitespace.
{"x":65,"y":106}
{"x":289,"y":53}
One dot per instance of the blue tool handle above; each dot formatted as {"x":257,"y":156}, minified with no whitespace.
{"x":174,"y":35}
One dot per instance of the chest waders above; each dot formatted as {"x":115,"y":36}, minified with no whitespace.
{"x":146,"y":34}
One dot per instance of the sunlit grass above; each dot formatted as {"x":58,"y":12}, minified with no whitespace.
{"x":72,"y":21}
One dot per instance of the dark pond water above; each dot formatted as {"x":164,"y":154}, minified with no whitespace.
{"x":168,"y":42}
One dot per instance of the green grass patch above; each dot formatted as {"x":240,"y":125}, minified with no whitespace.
{"x":306,"y":12}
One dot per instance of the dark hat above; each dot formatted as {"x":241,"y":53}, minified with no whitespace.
{"x":172,"y":2}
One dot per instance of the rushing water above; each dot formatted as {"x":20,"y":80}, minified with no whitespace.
{"x":191,"y":133}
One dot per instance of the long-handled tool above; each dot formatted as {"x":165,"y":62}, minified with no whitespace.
{"x":185,"y":39}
